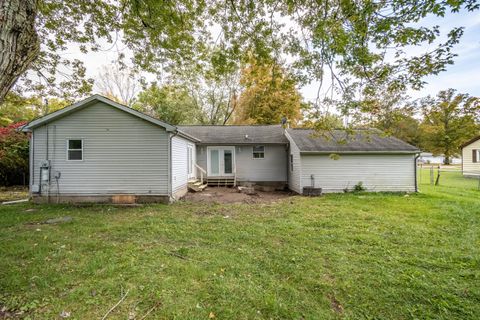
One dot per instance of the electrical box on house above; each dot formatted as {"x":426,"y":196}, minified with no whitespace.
{"x":45,"y":171}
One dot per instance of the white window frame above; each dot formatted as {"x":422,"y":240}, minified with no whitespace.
{"x":221,"y":163}
{"x":478,"y":156}
{"x":68,"y":149}
{"x":253,"y":152}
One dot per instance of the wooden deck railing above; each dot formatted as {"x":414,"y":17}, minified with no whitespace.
{"x":202,"y":172}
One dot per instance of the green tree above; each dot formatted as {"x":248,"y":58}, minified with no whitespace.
{"x":401,"y":124}
{"x":13,"y":155}
{"x":392,"y":114}
{"x":346,"y":41}
{"x":214,"y":86}
{"x":269,"y":95}
{"x":170,"y":103}
{"x":450,"y":119}
{"x":16,"y":108}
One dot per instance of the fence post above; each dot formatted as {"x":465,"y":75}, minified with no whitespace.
{"x":438,"y":176}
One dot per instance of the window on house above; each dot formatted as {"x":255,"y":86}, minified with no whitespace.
{"x":291,"y":162}
{"x":475,"y":156}
{"x":258,"y":152}
{"x":75,"y":149}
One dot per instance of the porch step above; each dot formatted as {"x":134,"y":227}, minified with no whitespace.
{"x":221,"y":182}
{"x":196,"y":186}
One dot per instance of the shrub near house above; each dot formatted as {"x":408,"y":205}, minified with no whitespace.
{"x":13,"y":155}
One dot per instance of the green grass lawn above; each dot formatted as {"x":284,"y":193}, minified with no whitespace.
{"x":345,"y":256}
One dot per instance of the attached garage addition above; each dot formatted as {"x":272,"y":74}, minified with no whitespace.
{"x":339,"y":161}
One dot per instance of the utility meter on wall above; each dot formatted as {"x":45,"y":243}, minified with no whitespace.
{"x":45,"y":172}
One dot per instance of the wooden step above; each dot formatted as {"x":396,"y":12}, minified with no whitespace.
{"x":196,"y":186}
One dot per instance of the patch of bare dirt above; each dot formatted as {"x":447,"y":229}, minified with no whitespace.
{"x":13,"y":193}
{"x":233,"y":195}
{"x":5,"y":314}
{"x":335,"y":304}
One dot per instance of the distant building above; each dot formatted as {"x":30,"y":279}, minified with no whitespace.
{"x":429,"y":158}
{"x":471,"y":158}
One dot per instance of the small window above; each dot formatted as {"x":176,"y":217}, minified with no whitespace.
{"x":291,"y":162}
{"x":475,"y":155}
{"x":75,"y":150}
{"x":258,"y":152}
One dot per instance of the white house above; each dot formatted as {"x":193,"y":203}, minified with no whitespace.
{"x":429,"y":158}
{"x":471,"y":158}
{"x":100,"y":151}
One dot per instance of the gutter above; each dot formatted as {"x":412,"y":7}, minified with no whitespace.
{"x":187,"y":136}
{"x":359,"y":152}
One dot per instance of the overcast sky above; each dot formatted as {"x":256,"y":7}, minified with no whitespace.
{"x":464,"y":75}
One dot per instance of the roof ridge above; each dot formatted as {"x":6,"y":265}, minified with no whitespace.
{"x":339,"y":129}
{"x":71,"y":108}
{"x":228,"y":125}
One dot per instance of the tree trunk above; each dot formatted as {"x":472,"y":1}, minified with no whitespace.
{"x":19,"y":43}
{"x":446,"y":159}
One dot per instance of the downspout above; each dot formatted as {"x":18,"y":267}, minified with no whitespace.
{"x":415,"y":170}
{"x":170,"y":159}
{"x":287,"y":151}
{"x":32,"y":162}
{"x":46,"y":158}
{"x":462,"y":161}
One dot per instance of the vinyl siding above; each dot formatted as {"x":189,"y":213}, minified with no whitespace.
{"x":273,"y":168}
{"x":376,"y":172}
{"x":180,"y":164}
{"x":470,"y":168}
{"x":295,"y":174}
{"x":122,"y":154}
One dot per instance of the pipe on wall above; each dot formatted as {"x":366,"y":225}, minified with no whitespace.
{"x":415,"y":159}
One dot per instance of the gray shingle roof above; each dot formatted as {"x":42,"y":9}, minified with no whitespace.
{"x":254,"y":134}
{"x":370,"y":140}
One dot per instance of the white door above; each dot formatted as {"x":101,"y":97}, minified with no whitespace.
{"x":220,"y":161}
{"x":190,"y":162}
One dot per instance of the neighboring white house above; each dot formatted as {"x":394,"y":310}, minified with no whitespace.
{"x":471,"y":158}
{"x":429,"y":158}
{"x":100,"y":151}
